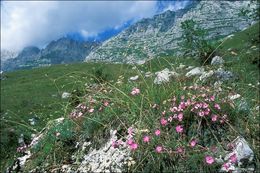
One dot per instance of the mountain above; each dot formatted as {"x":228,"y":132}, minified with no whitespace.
{"x":6,"y":54}
{"x":63,"y":50}
{"x":67,"y":50}
{"x":161,"y":34}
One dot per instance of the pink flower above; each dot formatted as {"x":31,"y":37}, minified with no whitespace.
{"x":130,"y":131}
{"x":212,"y":98}
{"x":91,"y":110}
{"x":205,"y":105}
{"x":209,"y":160}
{"x":80,"y":114}
{"x":157,"y":132}
{"x":163,"y":121}
{"x":164,"y":112}
{"x":182,"y":97}
{"x":214,"y":118}
{"x":134,"y":146}
{"x":114,"y":144}
{"x":193,"y":143}
{"x":170,"y":119}
{"x":146,"y":139}
{"x":233,"y":158}
{"x":217,"y":106}
{"x":135,"y":91}
{"x":173,"y":109}
{"x":130,"y":141}
{"x":180,"y":150}
{"x":159,"y":149}
{"x":106,"y":103}
{"x":226,"y":166}
{"x":207,"y":111}
{"x":179,"y":129}
{"x":201,"y":113}
{"x":180,"y":116}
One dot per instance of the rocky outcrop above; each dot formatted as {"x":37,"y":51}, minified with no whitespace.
{"x":162,"y":34}
{"x":61,"y":51}
{"x":164,"y":76}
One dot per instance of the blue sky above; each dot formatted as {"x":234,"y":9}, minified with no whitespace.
{"x":25,"y":23}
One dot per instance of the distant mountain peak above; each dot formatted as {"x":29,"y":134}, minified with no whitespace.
{"x":161,"y":34}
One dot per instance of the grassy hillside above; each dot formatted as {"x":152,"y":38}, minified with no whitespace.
{"x":37,"y":94}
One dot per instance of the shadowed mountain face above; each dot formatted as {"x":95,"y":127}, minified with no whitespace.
{"x":162,"y":34}
{"x":62,"y":51}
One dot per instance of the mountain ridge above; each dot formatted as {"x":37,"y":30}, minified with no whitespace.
{"x":149,"y":40}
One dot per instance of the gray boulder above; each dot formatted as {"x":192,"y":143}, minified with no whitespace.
{"x":244,"y":156}
{"x":224,"y":75}
{"x":164,"y":76}
{"x":197,"y":71}
{"x":217,"y":60}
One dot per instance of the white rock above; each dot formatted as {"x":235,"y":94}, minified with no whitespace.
{"x":148,"y":74}
{"x":134,"y":78}
{"x":217,"y":60}
{"x":106,"y":158}
{"x":206,"y":75}
{"x":242,"y":150}
{"x":24,"y":158}
{"x":195,"y":72}
{"x":65,"y":95}
{"x":164,"y":76}
{"x":234,"y":97}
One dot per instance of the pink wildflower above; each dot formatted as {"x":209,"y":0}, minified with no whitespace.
{"x":134,"y":146}
{"x":106,"y":103}
{"x":135,"y":91}
{"x":130,"y":131}
{"x":130,"y":141}
{"x":179,"y":129}
{"x":209,"y":160}
{"x":157,"y":132}
{"x":226,"y":166}
{"x":80,"y":114}
{"x":91,"y":110}
{"x":233,"y":158}
{"x":170,"y":119}
{"x":214,"y":118}
{"x":146,"y":139}
{"x":217,"y":106}
{"x":180,"y":150}
{"x":212,"y":98}
{"x":180,"y":116}
{"x":114,"y":144}
{"x":163,"y":121}
{"x":201,"y":113}
{"x":159,"y":149}
{"x":164,"y":112}
{"x":193,"y":143}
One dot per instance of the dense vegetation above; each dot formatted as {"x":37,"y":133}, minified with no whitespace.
{"x":37,"y":94}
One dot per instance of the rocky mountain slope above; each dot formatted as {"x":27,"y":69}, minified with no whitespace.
{"x":162,"y":33}
{"x":63,"y":50}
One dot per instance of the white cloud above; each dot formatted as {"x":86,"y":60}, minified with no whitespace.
{"x":25,"y":23}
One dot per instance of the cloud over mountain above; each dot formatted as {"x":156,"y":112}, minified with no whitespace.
{"x":25,"y":23}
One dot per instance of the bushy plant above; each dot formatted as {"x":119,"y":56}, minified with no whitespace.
{"x":195,"y":42}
